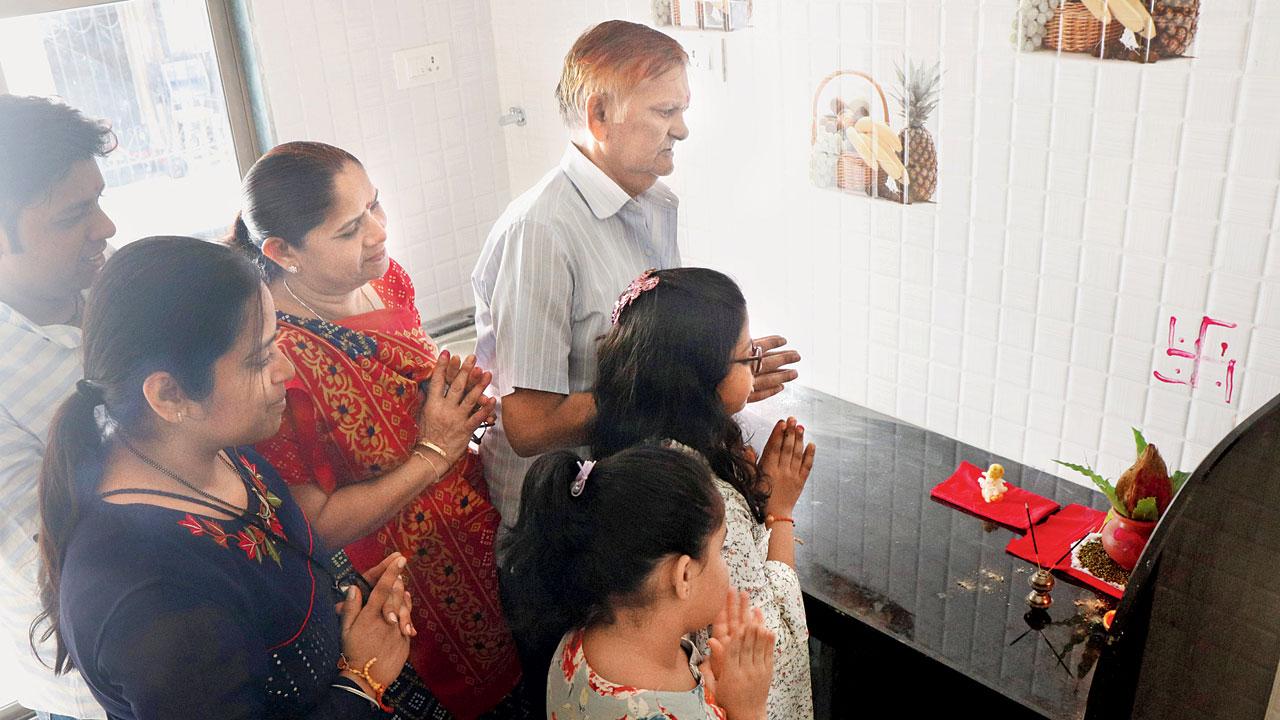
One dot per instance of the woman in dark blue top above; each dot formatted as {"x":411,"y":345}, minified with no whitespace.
{"x":178,"y":576}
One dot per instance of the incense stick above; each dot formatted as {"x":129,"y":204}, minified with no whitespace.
{"x":1074,"y":545}
{"x":1032,"y":528}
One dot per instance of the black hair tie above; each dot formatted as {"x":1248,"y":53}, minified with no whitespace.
{"x":91,"y":390}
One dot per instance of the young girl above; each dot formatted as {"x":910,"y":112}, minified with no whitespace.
{"x":676,"y":366}
{"x":621,"y":560}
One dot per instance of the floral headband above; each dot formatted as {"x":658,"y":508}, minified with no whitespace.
{"x":646,"y":281}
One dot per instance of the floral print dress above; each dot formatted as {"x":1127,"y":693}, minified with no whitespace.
{"x":773,"y":587}
{"x":576,"y":692}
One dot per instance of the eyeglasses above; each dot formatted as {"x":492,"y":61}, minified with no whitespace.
{"x":756,"y":359}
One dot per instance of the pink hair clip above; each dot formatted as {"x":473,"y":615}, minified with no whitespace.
{"x":580,"y":481}
{"x":646,"y":281}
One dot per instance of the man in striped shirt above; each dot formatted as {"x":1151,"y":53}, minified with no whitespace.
{"x":53,"y":236}
{"x":558,"y":257}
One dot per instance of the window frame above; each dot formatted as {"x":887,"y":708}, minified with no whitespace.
{"x":230,"y":54}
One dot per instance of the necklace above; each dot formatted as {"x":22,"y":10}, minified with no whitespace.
{"x":226,"y":506}
{"x":315,"y":312}
{"x":302,"y":302}
{"x":261,"y":521}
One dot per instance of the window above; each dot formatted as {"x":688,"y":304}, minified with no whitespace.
{"x":165,"y":75}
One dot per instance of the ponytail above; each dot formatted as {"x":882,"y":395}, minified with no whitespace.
{"x":241,"y":240}
{"x":574,"y":560}
{"x":542,"y":552}
{"x":75,"y":443}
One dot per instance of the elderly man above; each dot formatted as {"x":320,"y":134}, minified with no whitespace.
{"x":555,"y":262}
{"x":53,"y":236}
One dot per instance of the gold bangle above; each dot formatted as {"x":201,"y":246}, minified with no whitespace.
{"x":419,"y":453}
{"x":433,"y":448}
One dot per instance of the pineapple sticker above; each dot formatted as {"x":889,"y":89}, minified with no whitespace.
{"x":856,"y":147}
{"x":917,"y":94}
{"x":1175,"y":22}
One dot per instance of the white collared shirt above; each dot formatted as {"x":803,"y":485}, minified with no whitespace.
{"x":39,"y":366}
{"x":545,"y":285}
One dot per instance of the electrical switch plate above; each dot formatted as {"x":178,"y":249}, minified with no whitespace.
{"x":422,"y":65}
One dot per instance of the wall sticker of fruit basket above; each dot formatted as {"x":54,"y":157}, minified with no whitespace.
{"x":1137,"y":30}
{"x":856,"y":151}
{"x":726,"y":15}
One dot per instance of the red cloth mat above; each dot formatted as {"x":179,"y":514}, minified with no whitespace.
{"x":962,"y":491}
{"x":1056,"y":535}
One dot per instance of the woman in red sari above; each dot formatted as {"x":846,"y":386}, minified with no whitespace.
{"x":378,"y":466}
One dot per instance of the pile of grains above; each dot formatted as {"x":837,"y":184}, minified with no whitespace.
{"x":1095,"y":559}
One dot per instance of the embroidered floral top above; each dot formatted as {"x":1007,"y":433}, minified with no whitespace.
{"x":169,"y":613}
{"x":774,"y":588}
{"x":576,"y":692}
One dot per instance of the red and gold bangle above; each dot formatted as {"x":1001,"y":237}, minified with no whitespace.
{"x":363,"y":674}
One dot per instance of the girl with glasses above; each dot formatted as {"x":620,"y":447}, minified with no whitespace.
{"x":676,"y":366}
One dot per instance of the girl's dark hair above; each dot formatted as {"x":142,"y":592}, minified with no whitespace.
{"x":286,"y":194}
{"x":39,"y":142}
{"x":172,"y":304}
{"x":659,"y":369}
{"x":572,"y":561}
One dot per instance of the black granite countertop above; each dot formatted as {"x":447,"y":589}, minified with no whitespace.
{"x":881,"y":552}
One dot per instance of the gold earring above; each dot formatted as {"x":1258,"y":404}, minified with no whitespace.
{"x":179,"y":416}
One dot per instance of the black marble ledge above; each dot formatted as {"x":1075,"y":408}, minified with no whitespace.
{"x":881,"y":553}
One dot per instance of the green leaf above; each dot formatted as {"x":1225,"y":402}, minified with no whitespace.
{"x":1146,"y":510}
{"x":1140,"y":441}
{"x":1103,"y":484}
{"x":271,"y":551}
{"x":1178,"y":479}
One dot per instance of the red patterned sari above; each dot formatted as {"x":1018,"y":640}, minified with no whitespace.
{"x":352,"y":415}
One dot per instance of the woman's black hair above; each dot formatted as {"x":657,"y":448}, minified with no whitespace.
{"x":572,"y":561}
{"x":286,"y":194}
{"x":659,"y":369}
{"x":171,"y":304}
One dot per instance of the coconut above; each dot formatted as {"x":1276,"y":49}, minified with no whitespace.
{"x":1148,"y":477}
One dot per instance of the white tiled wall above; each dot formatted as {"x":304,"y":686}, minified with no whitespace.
{"x":435,"y":152}
{"x":1081,"y":204}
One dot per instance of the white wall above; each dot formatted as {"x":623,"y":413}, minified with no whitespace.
{"x":435,"y":152}
{"x":531,"y":39}
{"x":1081,"y":204}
